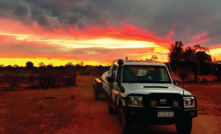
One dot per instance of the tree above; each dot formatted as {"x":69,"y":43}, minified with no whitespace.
{"x":190,"y":60}
{"x":184,"y":74}
{"x":50,"y":65}
{"x":9,"y":66}
{"x":81,"y":63}
{"x":200,"y":48}
{"x":41,"y":64}
{"x":69,"y":64}
{"x":154,"y":57}
{"x":201,"y":54}
{"x":214,"y":60}
{"x":189,"y":54}
{"x":203,"y":57}
{"x":29,"y":65}
{"x":15,"y":66}
{"x":176,"y":54}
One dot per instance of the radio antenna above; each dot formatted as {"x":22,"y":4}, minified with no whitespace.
{"x":171,"y":70}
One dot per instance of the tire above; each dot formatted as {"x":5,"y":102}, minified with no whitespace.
{"x":109,"y":108}
{"x":96,"y":95}
{"x":123,"y":122}
{"x":184,"y":125}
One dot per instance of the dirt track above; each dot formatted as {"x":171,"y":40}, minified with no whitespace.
{"x":94,"y":119}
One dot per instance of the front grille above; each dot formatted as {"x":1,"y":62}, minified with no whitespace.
{"x":160,"y":98}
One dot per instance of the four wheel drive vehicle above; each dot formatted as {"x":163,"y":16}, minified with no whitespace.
{"x":144,"y":93}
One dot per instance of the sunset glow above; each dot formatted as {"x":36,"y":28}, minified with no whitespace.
{"x":96,"y":46}
{"x":89,"y":31}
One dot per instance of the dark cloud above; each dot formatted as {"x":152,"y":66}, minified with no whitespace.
{"x":185,"y":17}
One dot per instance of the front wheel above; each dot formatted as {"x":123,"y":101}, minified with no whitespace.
{"x":184,"y":125}
{"x":123,"y":122}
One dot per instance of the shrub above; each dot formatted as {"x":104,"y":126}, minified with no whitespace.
{"x":40,"y":104}
{"x":49,"y":97}
{"x":191,"y":80}
{"x":31,"y":80}
{"x":12,"y":80}
{"x":184,"y":73}
{"x":204,"y":80}
{"x":1,"y":91}
{"x":72,"y":96}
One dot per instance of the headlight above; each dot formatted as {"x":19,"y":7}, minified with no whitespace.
{"x":189,"y":102}
{"x":135,"y":100}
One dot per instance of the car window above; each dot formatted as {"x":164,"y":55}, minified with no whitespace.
{"x":147,"y":74}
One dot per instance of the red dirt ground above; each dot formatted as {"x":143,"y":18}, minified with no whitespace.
{"x":87,"y":116}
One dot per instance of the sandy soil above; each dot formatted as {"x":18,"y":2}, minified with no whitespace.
{"x":93,"y":116}
{"x":28,"y":112}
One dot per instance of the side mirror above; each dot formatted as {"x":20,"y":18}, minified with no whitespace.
{"x":110,"y":79}
{"x":175,"y":81}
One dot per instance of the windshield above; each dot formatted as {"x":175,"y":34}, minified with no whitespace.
{"x":145,"y":74}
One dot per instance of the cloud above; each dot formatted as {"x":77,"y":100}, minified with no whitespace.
{"x":10,"y":47}
{"x":199,"y":36}
{"x":46,"y":27}
{"x":158,"y":17}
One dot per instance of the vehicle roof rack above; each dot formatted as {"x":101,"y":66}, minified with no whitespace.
{"x":142,"y":61}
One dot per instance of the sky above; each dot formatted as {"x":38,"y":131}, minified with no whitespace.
{"x":99,"y":31}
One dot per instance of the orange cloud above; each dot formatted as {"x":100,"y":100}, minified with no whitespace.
{"x":199,"y":36}
{"x":91,"y":44}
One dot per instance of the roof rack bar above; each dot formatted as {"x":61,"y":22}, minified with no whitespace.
{"x":142,"y":61}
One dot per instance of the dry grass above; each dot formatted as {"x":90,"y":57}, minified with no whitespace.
{"x":40,"y":104}
{"x":72,"y":96}
{"x":28,"y":112}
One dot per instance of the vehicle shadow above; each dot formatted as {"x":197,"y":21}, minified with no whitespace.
{"x":153,"y":129}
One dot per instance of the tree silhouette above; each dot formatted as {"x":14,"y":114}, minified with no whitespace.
{"x":69,"y":64}
{"x":154,"y":57}
{"x":200,"y":48}
{"x":29,"y":65}
{"x":9,"y":66}
{"x":176,"y":52}
{"x":15,"y":66}
{"x":203,"y":57}
{"x":41,"y":64}
{"x":189,"y":54}
{"x":50,"y":65}
{"x":214,"y":60}
{"x":81,"y":63}
{"x":184,"y":74}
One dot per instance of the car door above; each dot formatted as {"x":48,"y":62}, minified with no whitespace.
{"x":105,"y":84}
{"x":115,"y":91}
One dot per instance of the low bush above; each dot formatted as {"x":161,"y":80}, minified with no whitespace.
{"x":40,"y":104}
{"x":72,"y":96}
{"x":49,"y":97}
{"x":12,"y":80}
{"x":204,"y":80}
{"x":191,"y":80}
{"x":31,"y":80}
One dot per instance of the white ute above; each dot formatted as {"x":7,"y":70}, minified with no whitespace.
{"x":144,"y":93}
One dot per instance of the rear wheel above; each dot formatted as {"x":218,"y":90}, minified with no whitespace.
{"x":109,"y":108}
{"x":184,"y":125}
{"x":96,"y":95}
{"x":123,"y":122}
